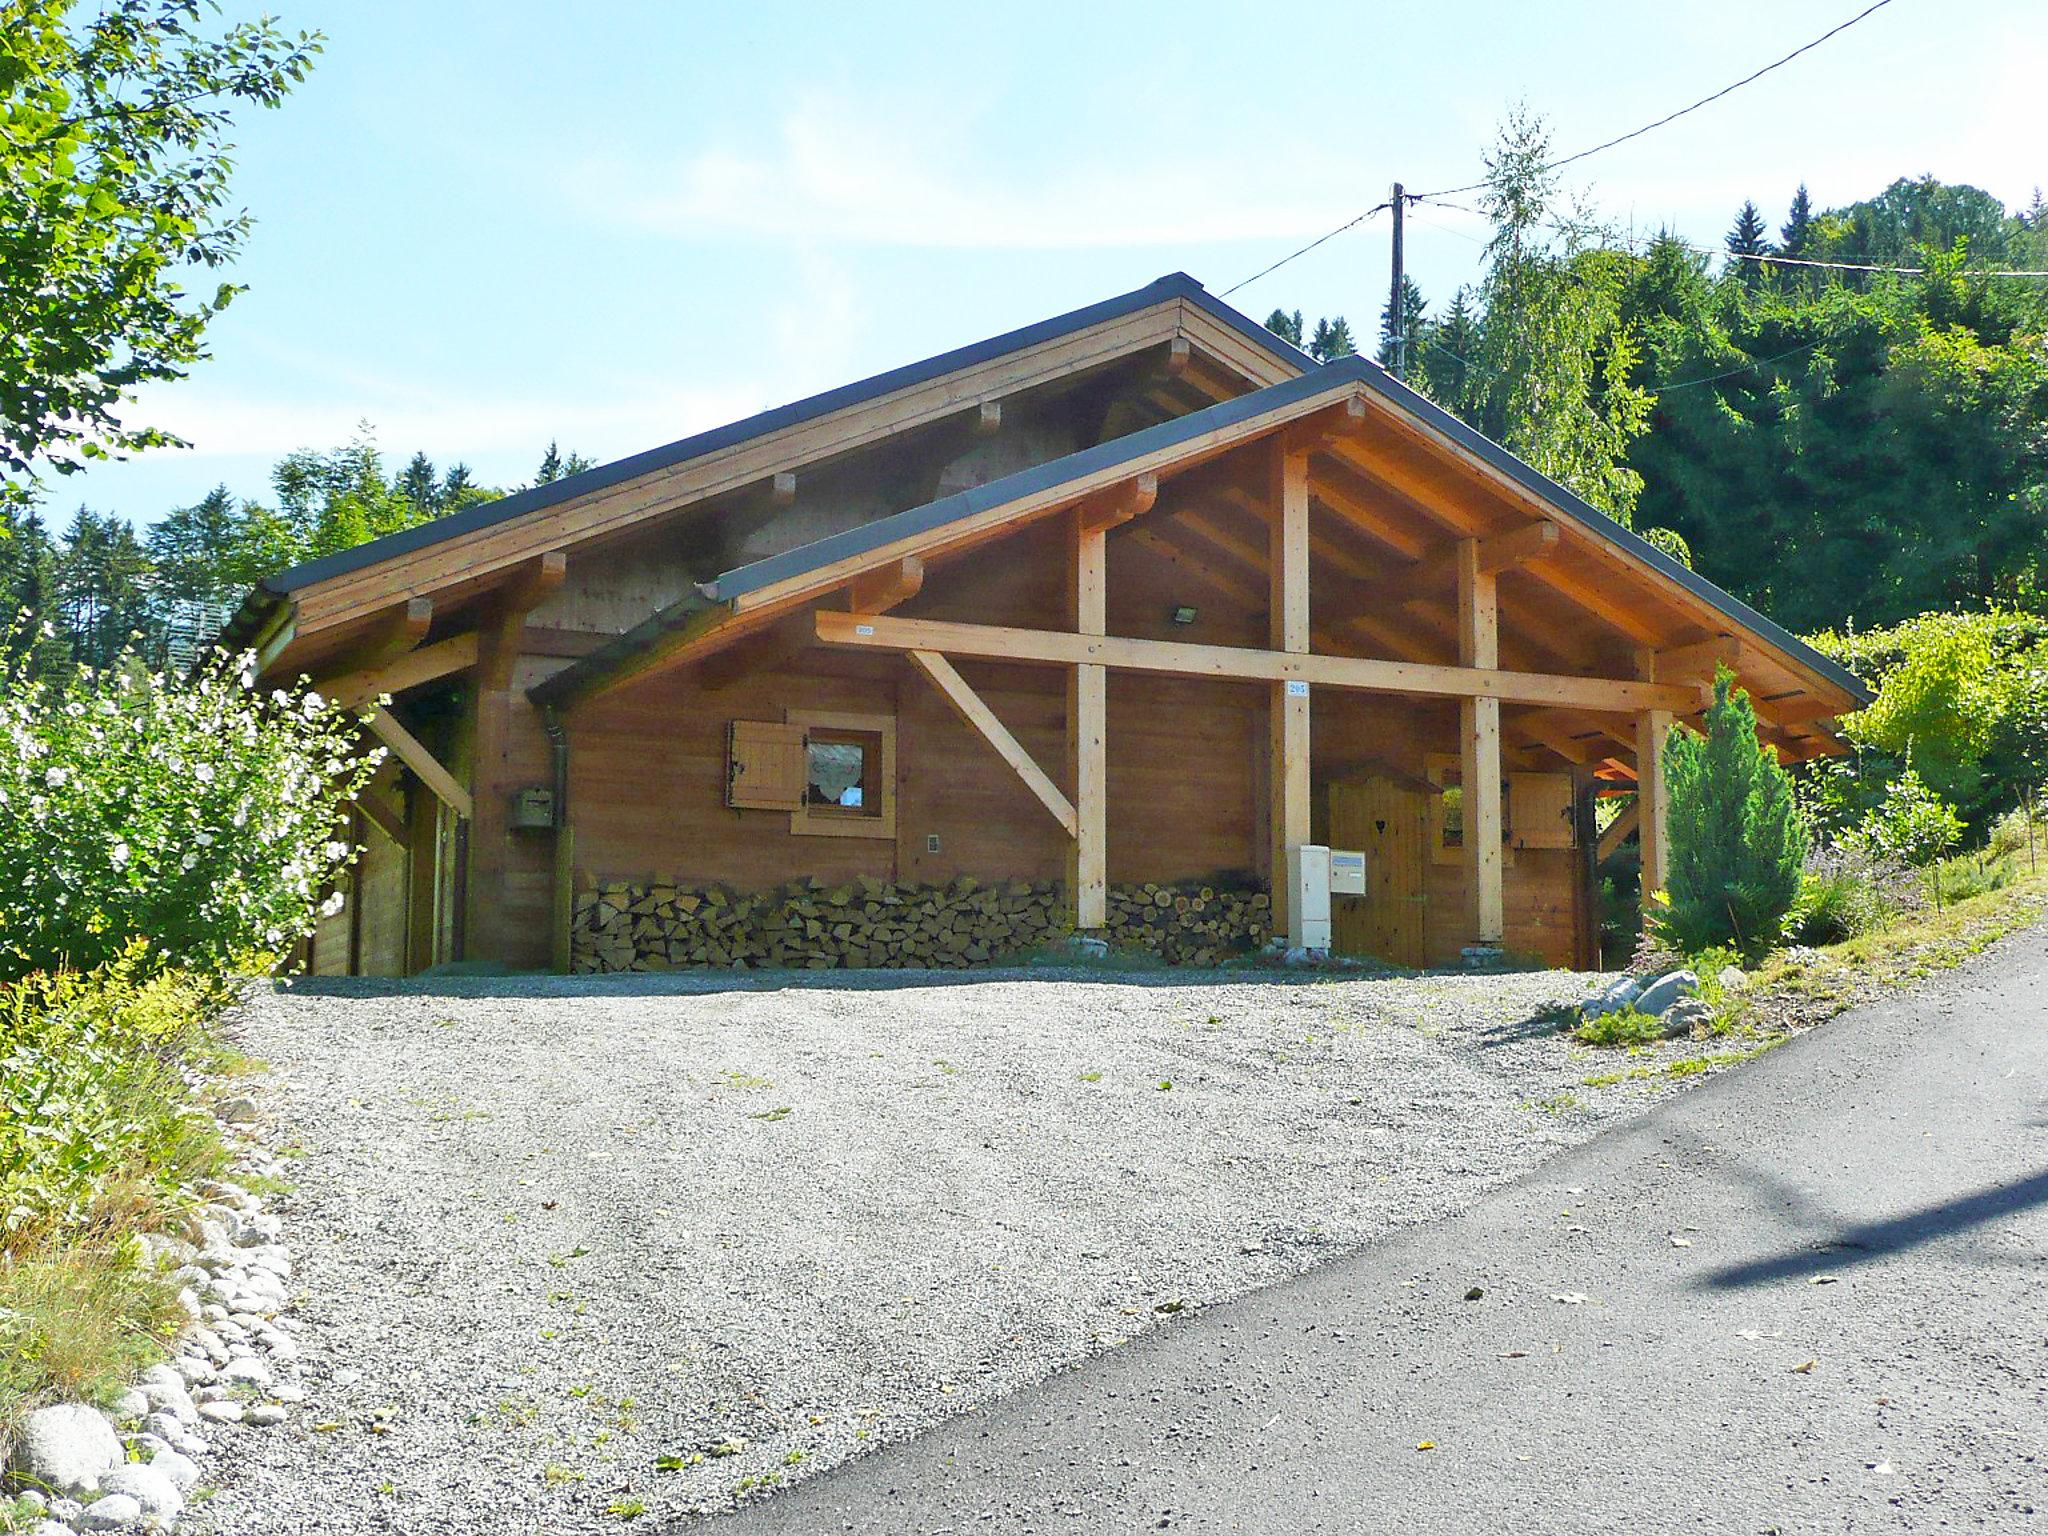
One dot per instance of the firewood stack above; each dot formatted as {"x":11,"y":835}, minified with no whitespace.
{"x":867,"y":922}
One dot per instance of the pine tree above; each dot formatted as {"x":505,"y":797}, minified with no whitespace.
{"x":1332,"y":339}
{"x":1737,"y":844}
{"x":28,"y":589}
{"x":1797,"y":229}
{"x":1442,"y":366}
{"x":550,"y":466}
{"x":418,"y":484}
{"x":1413,"y":328}
{"x":1287,"y":327}
{"x":1747,"y":239}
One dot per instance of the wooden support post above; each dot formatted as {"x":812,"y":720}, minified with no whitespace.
{"x":1287,"y":711}
{"x":1653,"y":726}
{"x":1087,"y":730}
{"x":1479,"y":745}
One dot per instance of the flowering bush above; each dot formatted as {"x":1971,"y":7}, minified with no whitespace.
{"x":195,"y":816}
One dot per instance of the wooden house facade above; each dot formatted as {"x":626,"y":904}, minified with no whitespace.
{"x":1083,"y":626}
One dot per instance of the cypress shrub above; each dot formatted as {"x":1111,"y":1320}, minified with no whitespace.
{"x":1737,"y":844}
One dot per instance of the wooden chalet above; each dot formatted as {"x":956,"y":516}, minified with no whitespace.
{"x":1087,"y":623}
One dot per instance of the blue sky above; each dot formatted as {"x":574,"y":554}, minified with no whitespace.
{"x":483,"y":225}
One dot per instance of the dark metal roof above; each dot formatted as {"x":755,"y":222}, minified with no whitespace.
{"x":1334,"y":377}
{"x":1176,"y":285}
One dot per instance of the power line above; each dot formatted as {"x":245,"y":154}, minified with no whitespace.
{"x":1333,"y":234}
{"x":1570,"y":159}
{"x":1672,"y":117}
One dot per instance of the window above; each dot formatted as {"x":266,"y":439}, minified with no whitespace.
{"x":1447,"y":811}
{"x":849,"y":785}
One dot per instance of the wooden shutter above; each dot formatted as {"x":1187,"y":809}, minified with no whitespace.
{"x":764,"y":766}
{"x":1542,"y":809}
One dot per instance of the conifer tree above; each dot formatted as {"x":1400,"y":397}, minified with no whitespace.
{"x":1737,"y":843}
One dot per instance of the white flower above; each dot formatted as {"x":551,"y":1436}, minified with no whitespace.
{"x":119,"y":854}
{"x":56,"y":778}
{"x":331,"y":905}
{"x":203,"y":772}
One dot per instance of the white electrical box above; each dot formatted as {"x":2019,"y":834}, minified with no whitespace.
{"x":1347,"y":872}
{"x":1308,"y":882}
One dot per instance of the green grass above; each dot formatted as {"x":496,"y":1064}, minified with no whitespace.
{"x":100,"y":1133}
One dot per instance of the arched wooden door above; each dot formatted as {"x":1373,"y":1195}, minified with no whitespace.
{"x":1388,"y":821}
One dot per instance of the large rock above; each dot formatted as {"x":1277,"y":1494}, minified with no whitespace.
{"x":1666,"y":990}
{"x":1682,"y":1015}
{"x":150,"y":1486}
{"x":1612,"y":998}
{"x":68,"y":1448}
{"x":182,"y":1470}
{"x":239,"y":1110}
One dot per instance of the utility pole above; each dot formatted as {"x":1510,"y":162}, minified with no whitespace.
{"x":1397,"y":310}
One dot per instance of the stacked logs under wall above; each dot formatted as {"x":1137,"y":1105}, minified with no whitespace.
{"x":867,"y":922}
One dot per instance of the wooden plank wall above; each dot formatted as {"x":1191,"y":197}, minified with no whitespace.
{"x":1186,"y":764}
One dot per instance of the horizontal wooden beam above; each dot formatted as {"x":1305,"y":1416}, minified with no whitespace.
{"x":409,"y":671}
{"x":969,"y":706}
{"x":1701,"y":657}
{"x":531,"y":583}
{"x":1418,"y":679}
{"x":412,"y":752}
{"x":988,"y":416}
{"x":1505,"y":551}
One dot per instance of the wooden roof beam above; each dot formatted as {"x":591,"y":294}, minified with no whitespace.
{"x":988,"y":417}
{"x":1505,"y":551}
{"x":1112,"y":508}
{"x":969,"y":706}
{"x":411,"y":751}
{"x":411,"y":670}
{"x":1346,"y":419}
{"x":878,"y":591}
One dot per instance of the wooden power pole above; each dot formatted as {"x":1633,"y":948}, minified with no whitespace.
{"x":1397,"y":311}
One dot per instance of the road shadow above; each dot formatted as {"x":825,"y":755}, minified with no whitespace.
{"x":1866,"y":1242}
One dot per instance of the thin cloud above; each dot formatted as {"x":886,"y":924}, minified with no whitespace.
{"x":829,"y":178}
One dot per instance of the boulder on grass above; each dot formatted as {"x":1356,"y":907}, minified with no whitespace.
{"x":1612,"y":998}
{"x":1682,"y":1015}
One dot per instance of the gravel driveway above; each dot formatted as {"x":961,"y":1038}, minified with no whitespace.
{"x":568,"y":1248}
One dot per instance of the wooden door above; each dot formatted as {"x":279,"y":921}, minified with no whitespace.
{"x":1388,"y":822}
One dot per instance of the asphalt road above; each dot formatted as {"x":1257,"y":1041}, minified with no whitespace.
{"x":1811,"y":1296}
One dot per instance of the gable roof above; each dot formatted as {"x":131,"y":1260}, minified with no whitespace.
{"x":1175,"y":285}
{"x":1060,"y":480}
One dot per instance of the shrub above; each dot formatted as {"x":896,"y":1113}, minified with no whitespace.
{"x":1737,"y":843}
{"x":1624,"y":1026}
{"x":1846,"y":891}
{"x":1912,"y":824}
{"x":195,"y":816}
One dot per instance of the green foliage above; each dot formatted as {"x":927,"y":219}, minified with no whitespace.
{"x":1962,"y":701}
{"x":1622,"y":1026}
{"x":98,"y":1138}
{"x":1972,"y":874}
{"x":1555,"y":356}
{"x":97,"y":1120}
{"x":1911,"y":823}
{"x":193,"y":816}
{"x":113,"y":190}
{"x":1737,"y":844}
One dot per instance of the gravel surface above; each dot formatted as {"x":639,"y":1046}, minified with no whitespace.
{"x":551,"y":1233}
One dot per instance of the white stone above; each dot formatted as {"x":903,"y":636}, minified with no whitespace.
{"x":150,"y":1486}
{"x":165,"y":1425}
{"x":68,"y":1448}
{"x":49,"y":1528}
{"x":196,"y":1370}
{"x":165,"y":1397}
{"x":282,"y":1345}
{"x":240,"y":1110}
{"x":266,"y":1414}
{"x":131,"y":1405}
{"x":346,"y":1377}
{"x":285,"y":1392}
{"x":1733,"y":978}
{"x":116,"y":1512}
{"x":221,"y":1411}
{"x":248,"y":1369}
{"x":1613,"y":997}
{"x":182,"y":1470}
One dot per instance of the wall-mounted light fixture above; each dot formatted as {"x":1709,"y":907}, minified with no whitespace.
{"x":1183,"y":615}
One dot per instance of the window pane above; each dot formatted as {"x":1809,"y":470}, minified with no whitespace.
{"x":837,"y":769}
